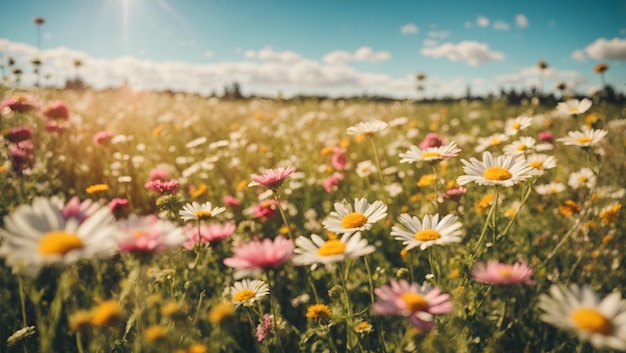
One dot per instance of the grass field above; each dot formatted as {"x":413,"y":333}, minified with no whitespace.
{"x":324,"y":226}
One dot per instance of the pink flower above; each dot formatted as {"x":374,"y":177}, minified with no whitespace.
{"x":57,"y":110}
{"x":158,"y":174}
{"x":117,"y":204}
{"x":231,"y":201}
{"x":53,"y":126}
{"x":332,"y":181}
{"x":339,"y":159}
{"x":265,"y":209}
{"x":272,"y":178}
{"x":257,"y":255}
{"x":545,"y":136}
{"x":456,"y":193}
{"x":102,"y":137}
{"x":432,"y":139}
{"x":18,"y":134}
{"x":18,"y":105}
{"x":500,"y":273}
{"x":79,"y":210}
{"x":418,"y":304}
{"x":211,"y":233}
{"x":149,"y":234}
{"x":162,"y":187}
{"x":263,"y":329}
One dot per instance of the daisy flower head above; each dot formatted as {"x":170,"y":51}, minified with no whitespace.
{"x":499,"y":273}
{"x":247,"y":291}
{"x":258,"y":255}
{"x":602,"y":322}
{"x":147,"y":234}
{"x":418,"y":303}
{"x":516,"y":125}
{"x":208,"y":233}
{"x":365,"y":168}
{"x":521,"y":146}
{"x":550,"y":188}
{"x":319,"y":251}
{"x":368,"y":128}
{"x":195,"y":211}
{"x":490,"y":141}
{"x":431,"y":155}
{"x":573,"y":106}
{"x":506,"y":170}
{"x":582,"y":178}
{"x":427,"y":232}
{"x":348,"y":219}
{"x":585,"y":138}
{"x":540,"y":163}
{"x":272,"y":178}
{"x":39,"y":235}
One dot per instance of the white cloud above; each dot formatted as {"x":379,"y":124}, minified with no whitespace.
{"x":579,"y":55}
{"x":361,"y":54}
{"x":439,"y":34}
{"x":208,"y":54}
{"x":521,"y":21}
{"x":607,"y":49}
{"x":268,"y":54}
{"x":482,"y":21}
{"x":409,"y":28}
{"x":530,"y":77}
{"x":622,"y":31}
{"x":501,"y":26}
{"x":474,"y":53}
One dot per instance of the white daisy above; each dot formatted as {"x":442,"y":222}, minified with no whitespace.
{"x":540,"y":162}
{"x":319,"y":251}
{"x":430,"y":231}
{"x":550,"y":188}
{"x":583,"y":177}
{"x":516,"y":125}
{"x":573,"y":106}
{"x":602,"y":322}
{"x":247,"y":291}
{"x":501,"y":170}
{"x":37,"y":235}
{"x":522,"y":146}
{"x":365,"y":168}
{"x":490,"y":141}
{"x":431,"y":155}
{"x":584,"y":138}
{"x":368,"y":128}
{"x":346,"y":219}
{"x":195,"y":211}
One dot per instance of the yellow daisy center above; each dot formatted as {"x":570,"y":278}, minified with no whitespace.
{"x":495,"y":141}
{"x":431,"y":155}
{"x":318,"y":311}
{"x":522,"y":147}
{"x":97,"y":188}
{"x":583,"y":178}
{"x":243,"y":295}
{"x":414,"y":302}
{"x":536,"y":164}
{"x":427,"y":235}
{"x":497,"y":173}
{"x":202,"y":214}
{"x":583,"y":139}
{"x":59,"y":242}
{"x":353,"y":220}
{"x":516,"y":126}
{"x":332,"y":247}
{"x":589,"y":319}
{"x":573,"y":110}
{"x":505,"y":272}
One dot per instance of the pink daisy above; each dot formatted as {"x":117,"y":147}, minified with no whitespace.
{"x":144,"y":234}
{"x":74,"y":208}
{"x":258,"y":255}
{"x":102,"y":137}
{"x":272,"y":178}
{"x":57,"y":110}
{"x":332,"y":181}
{"x":209,"y":233}
{"x":418,"y":303}
{"x":231,"y":201}
{"x":19,"y":134}
{"x":162,"y":187}
{"x":339,"y":159}
{"x":500,"y":273}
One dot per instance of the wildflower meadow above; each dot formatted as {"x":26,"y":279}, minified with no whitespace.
{"x":162,"y":222}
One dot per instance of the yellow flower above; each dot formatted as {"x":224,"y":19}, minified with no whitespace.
{"x":97,"y":188}
{"x":221,"y":312}
{"x":157,"y":131}
{"x":363,"y":327}
{"x":197,"y":348}
{"x":79,"y":320}
{"x":344,"y":143}
{"x":242,"y":185}
{"x":198,"y":191}
{"x":318,"y":312}
{"x":154,"y":333}
{"x":483,"y":203}
{"x":569,"y":207}
{"x":327,"y":150}
{"x":170,"y":308}
{"x":105,"y":312}
{"x":609,"y":214}
{"x":426,"y":180}
{"x":600,"y":68}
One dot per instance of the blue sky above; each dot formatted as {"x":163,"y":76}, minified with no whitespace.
{"x":320,"y":47}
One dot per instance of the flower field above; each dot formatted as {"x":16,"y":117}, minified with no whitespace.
{"x":154,"y":222}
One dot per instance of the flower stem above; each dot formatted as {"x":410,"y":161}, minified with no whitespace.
{"x":380,"y":172}
{"x":283,"y":215}
{"x":273,"y":308}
